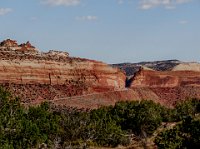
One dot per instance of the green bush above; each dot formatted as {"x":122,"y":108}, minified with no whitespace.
{"x":22,"y":128}
{"x":184,"y":135}
{"x":75,"y":127}
{"x":170,"y":139}
{"x":107,"y":132}
{"x":141,"y":117}
{"x":186,"y":108}
{"x":25,"y":128}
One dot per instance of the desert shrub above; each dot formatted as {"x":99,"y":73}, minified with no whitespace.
{"x":141,"y":117}
{"x":170,"y":139}
{"x":81,"y":129}
{"x":32,"y":127}
{"x":184,"y":135}
{"x":186,"y":108}
{"x":41,"y":125}
{"x":191,"y":129}
{"x":107,"y":132}
{"x":25,"y":128}
{"x":75,"y":128}
{"x":47,"y":122}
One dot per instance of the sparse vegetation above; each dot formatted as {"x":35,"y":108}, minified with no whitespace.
{"x":37,"y":127}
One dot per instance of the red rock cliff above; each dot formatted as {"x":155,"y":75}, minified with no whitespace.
{"x":168,"y":87}
{"x":93,"y":74}
{"x":68,"y":81}
{"x":49,"y":75}
{"x":151,"y":78}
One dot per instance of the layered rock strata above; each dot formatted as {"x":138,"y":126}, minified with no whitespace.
{"x":45,"y":76}
{"x":67,"y":81}
{"x":170,"y":87}
{"x":151,"y":78}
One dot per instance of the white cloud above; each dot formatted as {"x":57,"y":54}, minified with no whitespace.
{"x":168,"y":4}
{"x":61,"y":2}
{"x":87,"y":18}
{"x":4,"y":11}
{"x":183,"y":22}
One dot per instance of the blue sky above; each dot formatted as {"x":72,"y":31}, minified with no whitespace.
{"x":112,"y":31}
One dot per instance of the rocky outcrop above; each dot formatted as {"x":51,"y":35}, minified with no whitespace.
{"x":151,"y":78}
{"x":46,"y":76}
{"x":57,"y":53}
{"x":169,"y":87}
{"x":184,"y":66}
{"x":68,"y":81}
{"x":12,"y":45}
{"x":9,"y":43}
{"x":94,"y":74}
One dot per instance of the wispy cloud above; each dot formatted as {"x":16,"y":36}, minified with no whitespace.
{"x":4,"y":11}
{"x":61,"y":2}
{"x":183,"y":22}
{"x":87,"y":18}
{"x":168,"y":4}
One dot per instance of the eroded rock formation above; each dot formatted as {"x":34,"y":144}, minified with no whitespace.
{"x":12,"y":45}
{"x":9,"y":43}
{"x":165,"y":87}
{"x":46,"y":76}
{"x":67,"y":81}
{"x":169,"y":86}
{"x":151,"y":78}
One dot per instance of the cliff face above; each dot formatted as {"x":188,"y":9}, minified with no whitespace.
{"x":151,"y":78}
{"x":49,"y":75}
{"x":92,"y":74}
{"x":164,"y":87}
{"x":169,"y":87}
{"x":67,"y":81}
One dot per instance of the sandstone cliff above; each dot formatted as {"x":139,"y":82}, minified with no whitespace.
{"x":93,"y":74}
{"x":151,"y":78}
{"x":68,"y":81}
{"x":165,"y":87}
{"x":46,"y":76}
{"x":169,"y":86}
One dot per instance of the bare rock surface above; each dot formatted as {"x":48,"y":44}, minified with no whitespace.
{"x":187,"y":67}
{"x":45,"y":76}
{"x":169,"y":86}
{"x":67,"y":81}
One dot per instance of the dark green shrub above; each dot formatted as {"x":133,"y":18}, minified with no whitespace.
{"x":141,"y":117}
{"x":186,"y":108}
{"x":170,"y":139}
{"x":107,"y":132}
{"x":25,"y":128}
{"x":184,"y":135}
